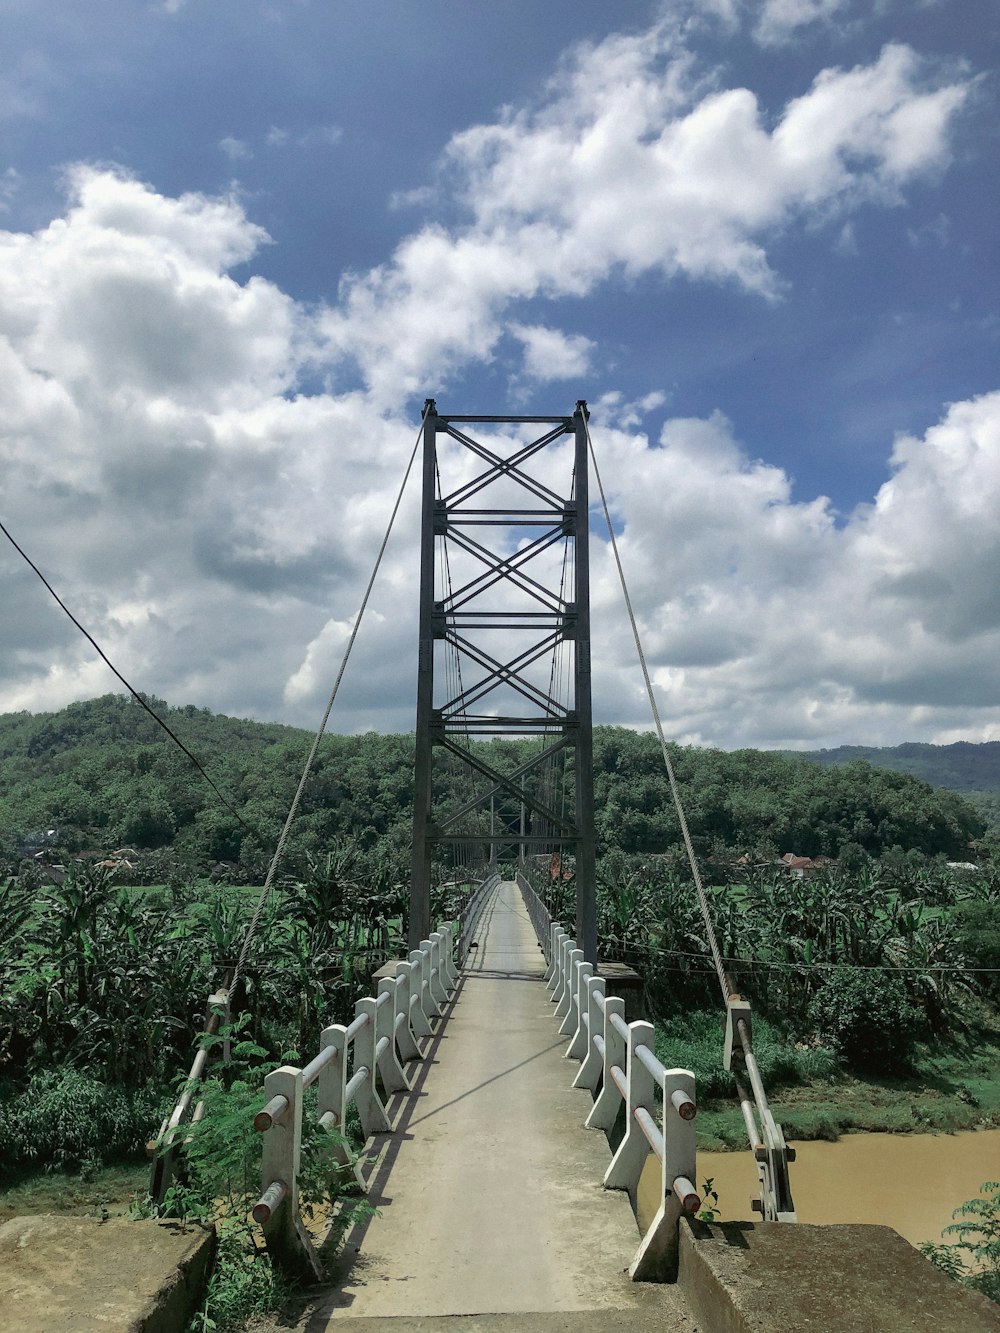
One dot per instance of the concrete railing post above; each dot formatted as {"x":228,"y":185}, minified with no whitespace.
{"x":555,"y":934}
{"x":373,"y":1117}
{"x":422,"y":963}
{"x":439,"y":979}
{"x":406,"y":1039}
{"x":552,"y":975}
{"x":605,"y":1108}
{"x":389,"y":1067}
{"x":419,"y":1020}
{"x":656,"y":1259}
{"x":566,"y":1009}
{"x":577,"y":1048}
{"x":589,"y":1074}
{"x":435,"y":992}
{"x":626,"y":1165}
{"x":566,"y":945}
{"x":331,"y":1098}
{"x":278,"y":1208}
{"x":448,"y":973}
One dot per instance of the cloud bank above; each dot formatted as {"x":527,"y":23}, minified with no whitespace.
{"x":211,"y":514}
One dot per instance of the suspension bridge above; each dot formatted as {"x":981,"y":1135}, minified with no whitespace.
{"x":529,"y":1156}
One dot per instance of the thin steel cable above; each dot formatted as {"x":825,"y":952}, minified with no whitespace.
{"x":279,"y":850}
{"x":131,"y":688}
{"x":724,"y":982}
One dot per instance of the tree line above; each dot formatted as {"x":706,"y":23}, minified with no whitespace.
{"x":101,"y":776}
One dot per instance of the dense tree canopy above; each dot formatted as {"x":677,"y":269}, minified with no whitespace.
{"x":103,"y":775}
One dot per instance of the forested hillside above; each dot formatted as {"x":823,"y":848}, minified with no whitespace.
{"x":100,"y":775}
{"x":962,"y":767}
{"x":972,"y":769}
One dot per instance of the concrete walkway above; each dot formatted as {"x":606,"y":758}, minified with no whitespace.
{"x":490,"y":1198}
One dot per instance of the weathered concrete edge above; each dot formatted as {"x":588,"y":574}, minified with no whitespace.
{"x":654,"y":1318}
{"x":170,"y":1307}
{"x":724,"y":1285}
{"x":140,"y":1284}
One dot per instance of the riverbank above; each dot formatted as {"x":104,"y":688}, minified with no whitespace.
{"x":954,"y":1086}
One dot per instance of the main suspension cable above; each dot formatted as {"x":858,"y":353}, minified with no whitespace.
{"x":293,"y":809}
{"x":724,"y":981}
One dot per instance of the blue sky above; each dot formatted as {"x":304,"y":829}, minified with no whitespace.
{"x":241,"y":242}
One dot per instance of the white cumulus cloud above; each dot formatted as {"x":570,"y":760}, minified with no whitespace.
{"x":630,"y":164}
{"x":212,"y":519}
{"x":552,"y":355}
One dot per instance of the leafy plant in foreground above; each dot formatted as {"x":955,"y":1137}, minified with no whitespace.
{"x":978,"y":1234}
{"x":66,"y":1118}
{"x":220,"y":1181}
{"x":709,"y":1210}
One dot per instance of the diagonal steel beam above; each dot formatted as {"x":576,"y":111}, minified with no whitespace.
{"x":518,"y":773}
{"x":505,"y":567}
{"x":504,"y":467}
{"x":504,"y":783}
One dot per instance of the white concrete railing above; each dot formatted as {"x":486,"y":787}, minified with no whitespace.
{"x":569,"y":976}
{"x":767,"y":1140}
{"x":356,"y":1064}
{"x":468,"y":921}
{"x":541,"y":917}
{"x":619,"y":1067}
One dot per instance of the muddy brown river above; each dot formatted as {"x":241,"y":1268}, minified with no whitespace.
{"x":911,"y":1182}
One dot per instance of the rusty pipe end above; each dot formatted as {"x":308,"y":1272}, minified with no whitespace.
{"x":687,"y":1196}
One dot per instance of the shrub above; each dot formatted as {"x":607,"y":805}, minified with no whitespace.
{"x":64,"y":1118}
{"x":868,"y":1016}
{"x":695,"y":1042}
{"x":221,"y":1163}
{"x":977,"y":927}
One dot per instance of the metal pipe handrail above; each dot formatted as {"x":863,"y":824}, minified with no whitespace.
{"x":268,"y":1114}
{"x":620,"y":1026}
{"x":652,"y":1132}
{"x":316,"y":1066}
{"x":270,"y":1201}
{"x":647,"y":1057}
{"x":682,"y":1103}
{"x":355,"y":1082}
{"x":767,"y":1142}
{"x":356,"y":1025}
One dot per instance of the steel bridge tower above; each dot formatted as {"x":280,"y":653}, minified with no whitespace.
{"x":504,"y":596}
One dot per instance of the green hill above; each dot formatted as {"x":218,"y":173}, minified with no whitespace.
{"x":963,"y":766}
{"x":972,"y":769}
{"x":101,"y":775}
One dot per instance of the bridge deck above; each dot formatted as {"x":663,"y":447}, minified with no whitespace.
{"x":490,"y":1197}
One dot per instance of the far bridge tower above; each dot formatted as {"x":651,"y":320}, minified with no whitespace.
{"x":504,"y":649}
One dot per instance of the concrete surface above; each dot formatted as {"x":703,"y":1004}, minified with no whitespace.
{"x":490,"y":1196}
{"x":80,"y":1275}
{"x":745,"y":1277}
{"x":654,"y":1316}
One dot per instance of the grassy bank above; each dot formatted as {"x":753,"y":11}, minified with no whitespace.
{"x":953,"y":1084}
{"x":106,"y":1191}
